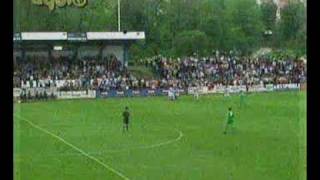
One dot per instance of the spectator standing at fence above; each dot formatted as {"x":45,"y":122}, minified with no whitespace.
{"x":196,"y":92}
{"x":242,"y":100}
{"x":171,"y":94}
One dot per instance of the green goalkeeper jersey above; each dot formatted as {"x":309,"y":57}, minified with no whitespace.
{"x":230,"y":117}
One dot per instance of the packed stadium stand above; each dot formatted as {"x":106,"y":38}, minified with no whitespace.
{"x":109,"y":73}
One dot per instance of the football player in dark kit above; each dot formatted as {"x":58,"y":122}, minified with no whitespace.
{"x":126,"y":116}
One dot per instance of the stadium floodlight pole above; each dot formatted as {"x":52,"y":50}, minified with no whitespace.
{"x":119,"y":29}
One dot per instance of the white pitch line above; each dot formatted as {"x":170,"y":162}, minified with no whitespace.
{"x":148,"y":146}
{"x":142,"y":147}
{"x":139,"y":147}
{"x":76,"y":148}
{"x":155,"y":145}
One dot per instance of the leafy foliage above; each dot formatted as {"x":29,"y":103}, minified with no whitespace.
{"x":200,"y":25}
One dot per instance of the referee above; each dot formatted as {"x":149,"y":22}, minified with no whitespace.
{"x":126,"y":116}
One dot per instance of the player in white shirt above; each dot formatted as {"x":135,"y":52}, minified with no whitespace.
{"x":171,"y":95}
{"x":196,"y":92}
{"x":226,"y":91}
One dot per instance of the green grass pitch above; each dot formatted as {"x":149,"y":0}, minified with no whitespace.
{"x":182,"y":140}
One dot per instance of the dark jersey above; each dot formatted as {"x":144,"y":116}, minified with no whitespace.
{"x":126,"y":116}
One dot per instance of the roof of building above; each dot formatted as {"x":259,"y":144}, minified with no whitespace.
{"x":65,"y":36}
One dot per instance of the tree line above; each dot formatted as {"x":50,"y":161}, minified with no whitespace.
{"x":178,"y":27}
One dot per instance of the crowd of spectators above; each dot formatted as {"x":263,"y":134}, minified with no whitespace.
{"x":39,"y":96}
{"x":109,"y":74}
{"x":76,"y":74}
{"x":226,"y":69}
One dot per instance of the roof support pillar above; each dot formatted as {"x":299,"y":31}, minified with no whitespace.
{"x":125,"y":53}
{"x":101,"y":48}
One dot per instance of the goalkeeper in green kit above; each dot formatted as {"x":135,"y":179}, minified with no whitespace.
{"x":230,"y":121}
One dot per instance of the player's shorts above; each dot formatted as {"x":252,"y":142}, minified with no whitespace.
{"x":126,"y":122}
{"x":230,"y":121}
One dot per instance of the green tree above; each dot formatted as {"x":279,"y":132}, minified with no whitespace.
{"x":269,"y":15}
{"x":245,"y":28}
{"x":292,"y":27}
{"x":209,"y":24}
{"x":213,"y":23}
{"x":190,"y":42}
